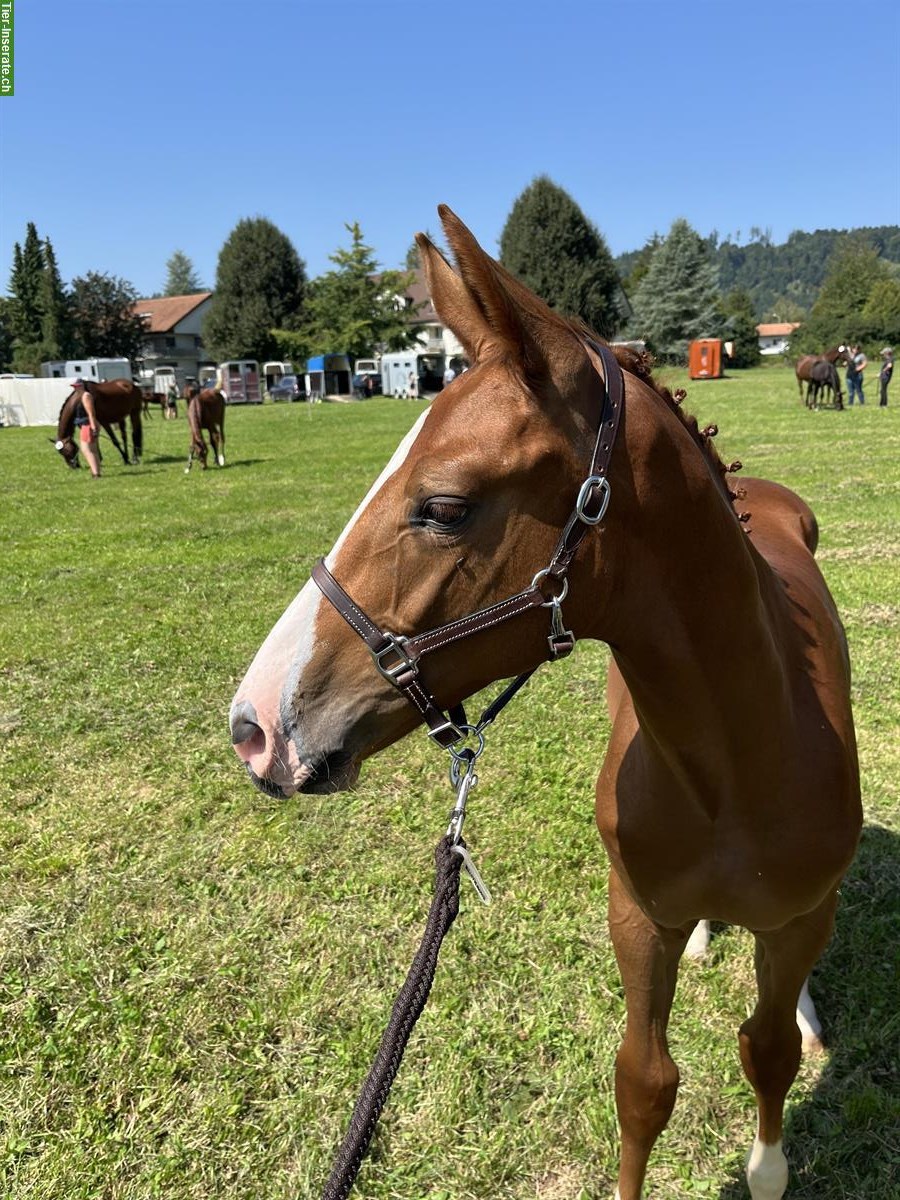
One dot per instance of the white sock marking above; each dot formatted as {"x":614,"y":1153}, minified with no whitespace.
{"x":767,"y":1171}
{"x":698,"y":942}
{"x":807,"y":1019}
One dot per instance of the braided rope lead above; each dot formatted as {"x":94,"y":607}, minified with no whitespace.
{"x":406,"y":1011}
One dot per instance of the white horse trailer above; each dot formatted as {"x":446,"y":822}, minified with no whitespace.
{"x":412,"y":374}
{"x":97,"y":370}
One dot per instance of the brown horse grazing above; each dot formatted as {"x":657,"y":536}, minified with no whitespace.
{"x":114,"y":402}
{"x":805,"y":364}
{"x":730,"y":786}
{"x":206,"y":411}
{"x":823,"y":377}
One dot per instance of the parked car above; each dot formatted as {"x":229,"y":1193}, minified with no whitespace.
{"x":289,"y":387}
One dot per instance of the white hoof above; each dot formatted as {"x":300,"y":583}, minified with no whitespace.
{"x":698,"y":942}
{"x":221,"y":460}
{"x":187,"y":470}
{"x":767,"y":1171}
{"x":808,"y":1021}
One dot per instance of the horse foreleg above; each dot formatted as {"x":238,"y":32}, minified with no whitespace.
{"x":770,"y":1040}
{"x":137,"y":436}
{"x":217,"y":436}
{"x":187,"y":469}
{"x":646,"y":1075}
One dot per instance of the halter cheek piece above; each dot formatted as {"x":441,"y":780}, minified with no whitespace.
{"x":397,"y":657}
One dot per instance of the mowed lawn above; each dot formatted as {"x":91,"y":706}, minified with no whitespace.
{"x":194,"y":977}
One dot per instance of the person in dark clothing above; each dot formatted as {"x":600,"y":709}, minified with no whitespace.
{"x":884,"y":377}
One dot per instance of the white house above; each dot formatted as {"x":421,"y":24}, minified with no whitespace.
{"x":775,"y":338}
{"x":174,"y":337}
{"x":425,"y":325}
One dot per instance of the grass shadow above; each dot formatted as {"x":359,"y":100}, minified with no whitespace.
{"x":843,"y":1141}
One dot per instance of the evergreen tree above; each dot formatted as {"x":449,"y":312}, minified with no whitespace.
{"x":181,"y":278}
{"x":260,"y":287}
{"x":677,"y":300}
{"x":38,"y":306}
{"x":54,"y":303}
{"x":549,"y":244}
{"x":640,"y":263}
{"x":739,"y":327}
{"x":104,"y":321}
{"x":25,"y":287}
{"x":353,"y":309}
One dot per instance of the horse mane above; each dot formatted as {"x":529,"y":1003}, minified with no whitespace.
{"x":640,"y":364}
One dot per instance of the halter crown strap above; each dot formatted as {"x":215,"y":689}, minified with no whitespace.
{"x":397,"y":657}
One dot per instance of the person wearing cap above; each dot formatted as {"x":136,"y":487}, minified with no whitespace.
{"x":856,"y":364}
{"x":86,"y":424}
{"x":884,"y":377}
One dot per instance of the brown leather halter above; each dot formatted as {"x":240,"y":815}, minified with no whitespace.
{"x":397,"y":658}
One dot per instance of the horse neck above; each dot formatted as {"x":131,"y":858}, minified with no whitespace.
{"x":67,"y":417}
{"x":690,"y":606}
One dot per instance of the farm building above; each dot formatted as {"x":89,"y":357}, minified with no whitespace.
{"x":774,"y":338}
{"x":174,"y":334}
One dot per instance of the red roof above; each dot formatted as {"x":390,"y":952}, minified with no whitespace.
{"x":781,"y":329}
{"x":164,"y":313}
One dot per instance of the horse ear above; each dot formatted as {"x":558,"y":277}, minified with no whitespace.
{"x":452,"y":301}
{"x":484,"y":282}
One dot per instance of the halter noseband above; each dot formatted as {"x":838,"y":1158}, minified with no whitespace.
{"x":397,"y":657}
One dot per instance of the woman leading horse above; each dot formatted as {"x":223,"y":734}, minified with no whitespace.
{"x":730,"y":785}
{"x":112,"y":402}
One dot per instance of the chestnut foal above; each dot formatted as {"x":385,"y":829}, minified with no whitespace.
{"x":730,"y":785}
{"x":206,"y":411}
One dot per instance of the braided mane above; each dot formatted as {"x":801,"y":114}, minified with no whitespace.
{"x":639,"y":363}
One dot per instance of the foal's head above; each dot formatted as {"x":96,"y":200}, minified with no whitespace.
{"x":468,"y":509}
{"x":64,"y":442}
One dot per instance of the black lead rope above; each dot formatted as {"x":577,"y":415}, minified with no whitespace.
{"x":406,"y":1011}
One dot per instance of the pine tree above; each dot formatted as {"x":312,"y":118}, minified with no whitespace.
{"x":549,"y":244}
{"x":55,"y":335}
{"x":260,"y":287}
{"x":352,"y":309}
{"x":25,"y":287}
{"x":104,"y":321}
{"x":677,"y":300}
{"x":181,"y":278}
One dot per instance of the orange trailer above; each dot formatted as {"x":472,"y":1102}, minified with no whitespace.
{"x":705,"y":359}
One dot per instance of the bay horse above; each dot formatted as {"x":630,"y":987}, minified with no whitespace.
{"x":805,"y":364}
{"x":206,"y":411}
{"x":115,"y":401}
{"x":730,"y":785}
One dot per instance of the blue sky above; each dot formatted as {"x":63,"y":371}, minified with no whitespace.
{"x":138,"y":128}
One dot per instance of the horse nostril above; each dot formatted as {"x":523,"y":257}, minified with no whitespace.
{"x":244,"y":723}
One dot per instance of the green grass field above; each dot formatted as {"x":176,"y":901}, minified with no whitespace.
{"x":194,"y":977}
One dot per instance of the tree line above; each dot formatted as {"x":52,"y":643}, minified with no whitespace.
{"x":674,"y":289}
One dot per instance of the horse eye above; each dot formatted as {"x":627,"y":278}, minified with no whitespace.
{"x":443,"y":512}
